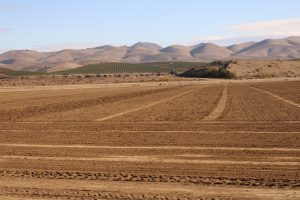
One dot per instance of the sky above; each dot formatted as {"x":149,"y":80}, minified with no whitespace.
{"x":50,"y":25}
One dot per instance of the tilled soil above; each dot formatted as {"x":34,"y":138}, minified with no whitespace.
{"x":288,"y":90}
{"x":164,"y":142}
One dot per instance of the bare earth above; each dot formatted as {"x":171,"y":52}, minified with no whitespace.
{"x":265,"y":68}
{"x":160,"y":140}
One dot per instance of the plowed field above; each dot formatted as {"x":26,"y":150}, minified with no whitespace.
{"x":199,"y":141}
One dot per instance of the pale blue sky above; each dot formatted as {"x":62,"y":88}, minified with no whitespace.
{"x":56,"y":24}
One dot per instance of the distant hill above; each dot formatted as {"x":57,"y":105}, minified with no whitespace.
{"x":288,"y":48}
{"x":143,"y":52}
{"x":238,"y":47}
{"x":210,"y":51}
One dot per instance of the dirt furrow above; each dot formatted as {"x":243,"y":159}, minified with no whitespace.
{"x":150,"y":122}
{"x":276,"y":96}
{"x":148,"y":159}
{"x":207,"y":193}
{"x":149,"y":147}
{"x":151,"y":131}
{"x":155,"y":178}
{"x":190,"y":107}
{"x":29,"y":111}
{"x":144,"y":107}
{"x":289,"y":89}
{"x":216,"y":113}
{"x":246,"y":104}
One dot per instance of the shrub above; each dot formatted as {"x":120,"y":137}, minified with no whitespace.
{"x":209,"y":73}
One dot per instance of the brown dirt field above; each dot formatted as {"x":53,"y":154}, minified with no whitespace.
{"x":157,"y":138}
{"x":71,"y":103}
{"x":191,"y":107}
{"x":192,"y":141}
{"x":288,"y":90}
{"x":249,"y":104}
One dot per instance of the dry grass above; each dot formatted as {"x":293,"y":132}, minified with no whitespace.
{"x":265,"y":68}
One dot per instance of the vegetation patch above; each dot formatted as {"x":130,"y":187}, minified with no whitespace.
{"x":118,"y":68}
{"x":216,"y":69}
{"x":9,"y":72}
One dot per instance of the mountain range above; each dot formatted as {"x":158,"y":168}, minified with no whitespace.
{"x":143,"y":52}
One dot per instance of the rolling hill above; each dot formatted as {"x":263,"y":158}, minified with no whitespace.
{"x":210,"y":51}
{"x":143,"y":52}
{"x":272,"y":49}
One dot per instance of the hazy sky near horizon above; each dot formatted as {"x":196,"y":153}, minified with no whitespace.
{"x":49,"y":25}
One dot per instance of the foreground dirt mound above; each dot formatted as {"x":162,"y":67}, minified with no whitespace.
{"x":265,"y":68}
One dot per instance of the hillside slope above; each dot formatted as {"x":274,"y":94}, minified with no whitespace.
{"x":265,"y":68}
